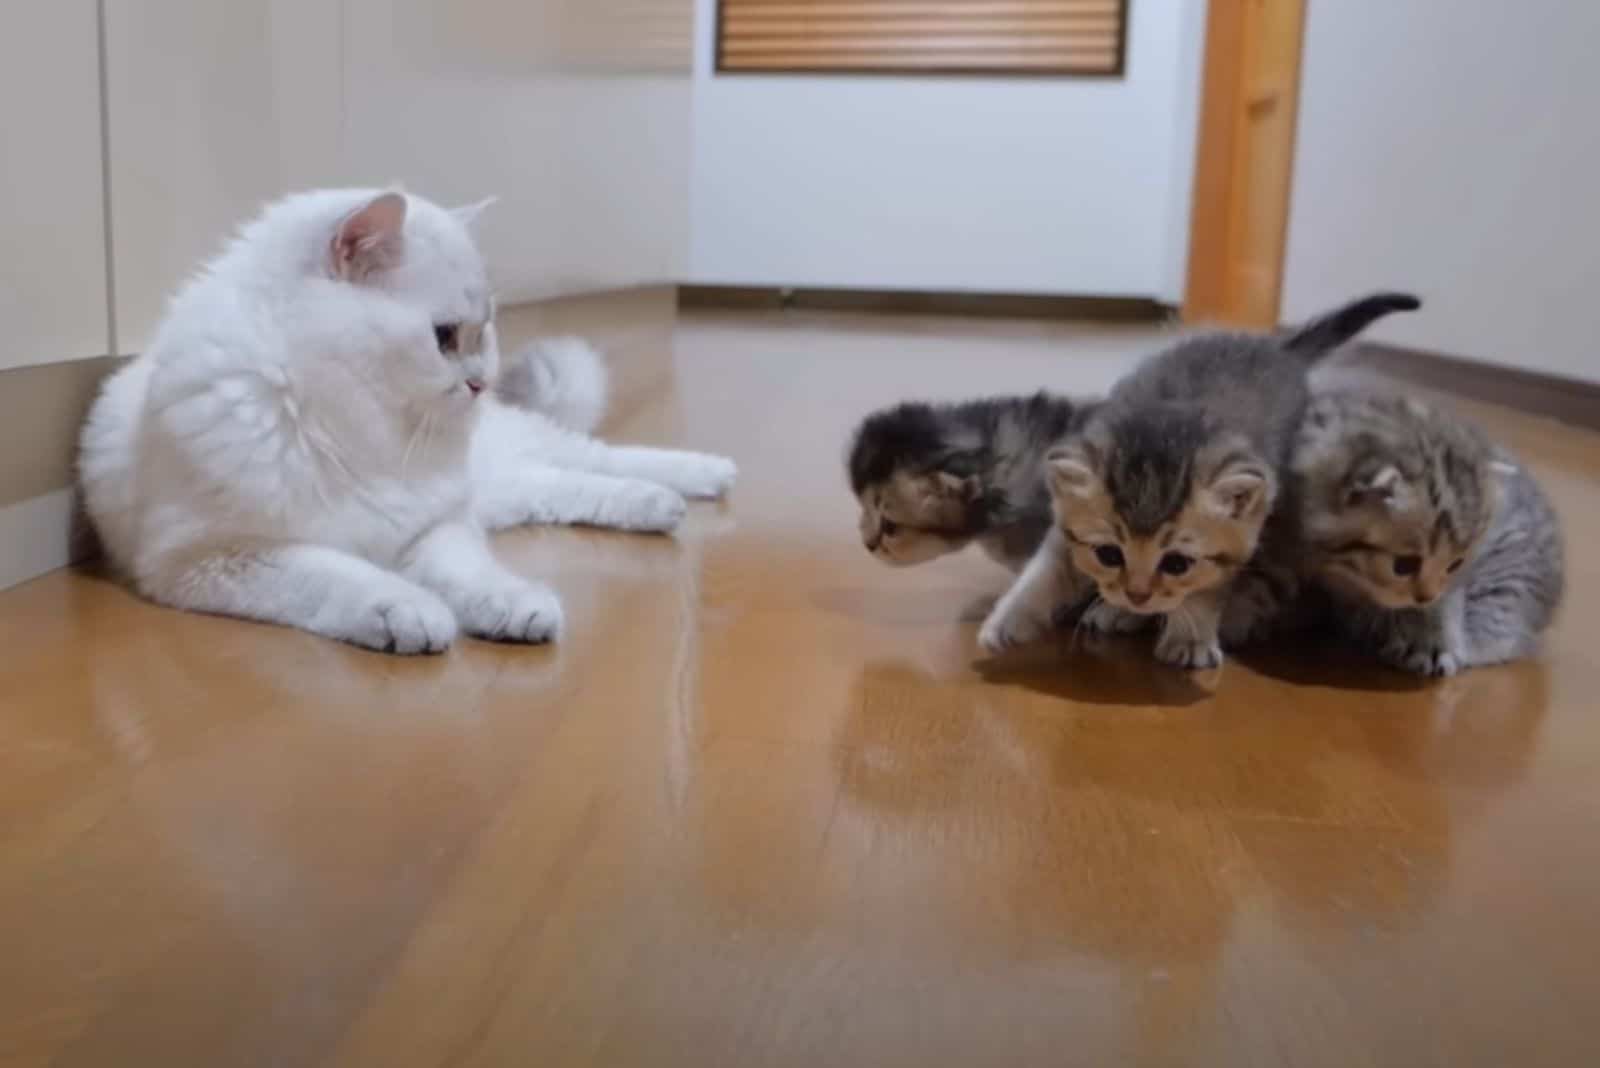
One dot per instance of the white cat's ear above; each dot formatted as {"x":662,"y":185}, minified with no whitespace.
{"x":369,"y":239}
{"x":1071,"y":472}
{"x":468,"y":214}
{"x":1240,"y":491}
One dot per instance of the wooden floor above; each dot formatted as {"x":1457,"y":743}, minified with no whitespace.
{"x":767,"y":806}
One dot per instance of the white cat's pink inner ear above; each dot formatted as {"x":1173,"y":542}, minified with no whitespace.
{"x":369,"y":238}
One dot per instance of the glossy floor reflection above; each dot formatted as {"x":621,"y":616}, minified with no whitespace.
{"x":767,"y":806}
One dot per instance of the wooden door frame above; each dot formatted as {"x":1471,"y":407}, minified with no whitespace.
{"x":1219,"y":188}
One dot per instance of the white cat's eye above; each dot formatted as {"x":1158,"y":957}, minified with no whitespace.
{"x":448,"y":335}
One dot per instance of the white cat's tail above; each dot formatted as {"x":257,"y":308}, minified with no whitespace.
{"x":563,"y":379}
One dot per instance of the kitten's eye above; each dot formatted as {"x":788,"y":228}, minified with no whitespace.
{"x":1109,"y":555}
{"x":447,"y":334}
{"x":1175,"y":563}
{"x":1455,"y":565}
{"x":1405,"y":566}
{"x":889,"y":528}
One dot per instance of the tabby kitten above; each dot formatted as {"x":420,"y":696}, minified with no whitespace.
{"x":1161,"y":497}
{"x":1440,"y":550}
{"x":933,"y":479}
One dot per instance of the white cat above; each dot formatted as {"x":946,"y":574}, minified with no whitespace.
{"x":313,"y":439}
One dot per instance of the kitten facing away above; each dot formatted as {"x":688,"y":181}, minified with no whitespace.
{"x":932,"y":479}
{"x":1439,"y":549}
{"x":312,"y":438}
{"x":1161,"y":497}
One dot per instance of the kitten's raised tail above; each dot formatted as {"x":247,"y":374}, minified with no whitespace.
{"x":562,"y":378}
{"x":1322,"y":335}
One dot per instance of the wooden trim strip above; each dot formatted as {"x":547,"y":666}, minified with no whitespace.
{"x":903,"y":302}
{"x":1566,"y":400}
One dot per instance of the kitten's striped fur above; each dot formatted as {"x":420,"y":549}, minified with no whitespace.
{"x":1162,"y":497}
{"x":1440,"y":548}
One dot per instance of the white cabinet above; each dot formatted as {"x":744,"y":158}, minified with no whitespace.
{"x":52,"y":218}
{"x":215,"y":107}
{"x":575,"y":115}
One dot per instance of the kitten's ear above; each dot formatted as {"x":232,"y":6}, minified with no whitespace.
{"x":1071,"y":471}
{"x":1376,"y":487}
{"x":469,"y":214}
{"x":1240,"y":491}
{"x":369,"y":238}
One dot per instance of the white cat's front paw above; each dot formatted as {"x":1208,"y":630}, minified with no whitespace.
{"x":525,"y":614}
{"x":705,"y":477}
{"x":409,"y":623}
{"x":1007,"y":631}
{"x":1189,"y":653}
{"x":653,"y":510}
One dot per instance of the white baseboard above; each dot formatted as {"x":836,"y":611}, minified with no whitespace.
{"x":35,"y":537}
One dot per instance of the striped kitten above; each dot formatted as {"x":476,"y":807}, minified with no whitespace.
{"x":935,"y":478}
{"x":1440,"y":549}
{"x":1162,"y":496}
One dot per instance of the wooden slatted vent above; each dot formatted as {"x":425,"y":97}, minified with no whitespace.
{"x":1055,"y":37}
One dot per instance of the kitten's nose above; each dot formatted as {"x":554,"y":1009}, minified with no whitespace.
{"x":476,"y":385}
{"x":1138,"y":598}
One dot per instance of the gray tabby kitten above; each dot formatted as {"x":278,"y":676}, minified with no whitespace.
{"x":934,"y":478}
{"x":1439,"y":549}
{"x":1162,"y":496}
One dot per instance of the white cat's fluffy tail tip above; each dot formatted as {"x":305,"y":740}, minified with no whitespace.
{"x":563,"y":378}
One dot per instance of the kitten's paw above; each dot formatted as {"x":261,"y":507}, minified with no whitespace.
{"x":1191,"y":654}
{"x":1426,"y":658}
{"x":653,"y":510}
{"x":704,"y":477}
{"x":1103,"y":617}
{"x":1000,"y":632}
{"x":526,"y":615}
{"x":410,"y":624}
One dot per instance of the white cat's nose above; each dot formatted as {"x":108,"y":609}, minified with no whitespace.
{"x":476,"y":385}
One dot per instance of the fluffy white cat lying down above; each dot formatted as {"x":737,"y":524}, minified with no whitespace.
{"x":313,"y":437}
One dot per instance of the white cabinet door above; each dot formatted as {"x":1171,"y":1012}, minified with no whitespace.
{"x":52,"y":218}
{"x":215,"y":107}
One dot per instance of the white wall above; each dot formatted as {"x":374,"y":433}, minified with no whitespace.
{"x":52,"y":224}
{"x":1024,"y":185}
{"x":575,"y":115}
{"x":214,"y":108}
{"x":1451,"y":147}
